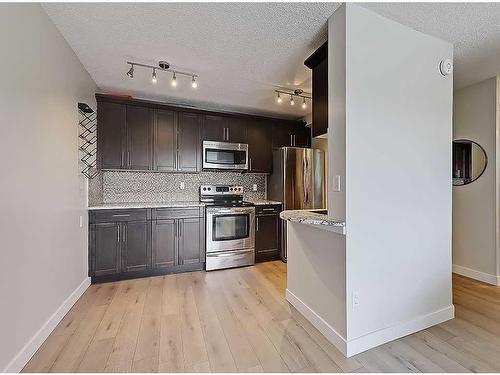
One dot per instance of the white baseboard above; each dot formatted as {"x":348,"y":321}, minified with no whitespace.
{"x":372,"y":339}
{"x":25,"y":354}
{"x":317,"y":321}
{"x":476,"y":275}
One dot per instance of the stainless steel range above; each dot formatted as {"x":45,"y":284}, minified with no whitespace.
{"x":230,"y":227}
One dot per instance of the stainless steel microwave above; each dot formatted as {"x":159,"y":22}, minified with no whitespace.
{"x":224,"y":155}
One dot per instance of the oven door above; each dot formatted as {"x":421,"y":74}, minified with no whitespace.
{"x":230,"y":228}
{"x":222,"y":155}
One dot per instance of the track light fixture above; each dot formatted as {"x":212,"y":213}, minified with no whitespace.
{"x":130,"y":73}
{"x":295,"y":93}
{"x":163,"y":66}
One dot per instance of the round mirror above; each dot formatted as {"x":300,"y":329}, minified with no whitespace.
{"x":469,"y":161}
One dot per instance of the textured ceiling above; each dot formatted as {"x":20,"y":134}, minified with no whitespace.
{"x":242,"y":51}
{"x":473,"y":28}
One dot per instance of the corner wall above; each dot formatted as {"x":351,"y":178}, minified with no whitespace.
{"x":474,"y":205}
{"x":44,"y":249}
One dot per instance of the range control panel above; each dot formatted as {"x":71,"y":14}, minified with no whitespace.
{"x":220,"y":190}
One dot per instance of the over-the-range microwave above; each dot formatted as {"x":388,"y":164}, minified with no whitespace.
{"x":225,"y":156}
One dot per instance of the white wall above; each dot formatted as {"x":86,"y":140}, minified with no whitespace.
{"x":474,"y":205}
{"x":398,"y":111}
{"x":44,"y":251}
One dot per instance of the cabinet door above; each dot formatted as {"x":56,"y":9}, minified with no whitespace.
{"x":236,"y":130}
{"x":105,"y":259}
{"x":260,"y":146}
{"x":164,"y":244}
{"x":214,"y":128}
{"x":282,"y":135}
{"x":191,"y":241}
{"x":302,"y":136}
{"x":111,"y":135}
{"x":267,"y":238}
{"x":135,"y":250}
{"x":139,"y":137}
{"x":188,"y":138}
{"x":165,"y":150}
{"x":320,"y":94}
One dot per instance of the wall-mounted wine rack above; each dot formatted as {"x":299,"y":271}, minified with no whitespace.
{"x":88,"y":140}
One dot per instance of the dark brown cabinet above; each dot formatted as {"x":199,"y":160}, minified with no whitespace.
{"x":135,"y":250}
{"x":139,"y":138}
{"x":224,"y":129}
{"x":318,"y":62}
{"x":164,"y":243}
{"x":291,"y":134}
{"x":188,"y":142}
{"x":105,"y":249}
{"x":145,"y":242}
{"x":260,"y":146}
{"x":111,"y":134}
{"x":267,"y":236}
{"x":165,"y":141}
{"x":214,"y":128}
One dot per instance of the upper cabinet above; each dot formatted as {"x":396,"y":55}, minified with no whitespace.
{"x":140,"y":135}
{"x":318,"y":62}
{"x":224,"y":129}
{"x":291,"y":134}
{"x":260,"y":145}
{"x":111,"y":135}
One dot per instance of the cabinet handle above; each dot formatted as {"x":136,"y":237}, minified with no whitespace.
{"x":291,"y":140}
{"x":294,"y":140}
{"x":118,"y":234}
{"x":268,"y":209}
{"x":257,"y":221}
{"x":250,"y":161}
{"x":128,"y":158}
{"x":227,"y":132}
{"x":121,"y":215}
{"x":180,"y":228}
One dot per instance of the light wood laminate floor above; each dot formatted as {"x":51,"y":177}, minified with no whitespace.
{"x":238,"y":321}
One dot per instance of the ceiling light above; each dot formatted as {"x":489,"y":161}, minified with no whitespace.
{"x":278,"y":99}
{"x":194,"y":84}
{"x":295,"y":94}
{"x":292,"y":102}
{"x":304,"y":105}
{"x":130,"y":73}
{"x":153,"y":77}
{"x":174,"y":80}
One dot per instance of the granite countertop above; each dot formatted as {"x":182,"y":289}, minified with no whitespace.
{"x":261,"y":202}
{"x":117,"y":206}
{"x":313,"y":218}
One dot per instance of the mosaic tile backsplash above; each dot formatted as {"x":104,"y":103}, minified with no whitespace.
{"x":121,"y":186}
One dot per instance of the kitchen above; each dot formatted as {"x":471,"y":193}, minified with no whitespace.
{"x":236,"y":190}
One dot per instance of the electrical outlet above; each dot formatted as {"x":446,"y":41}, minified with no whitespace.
{"x":355,"y":299}
{"x":337,"y":183}
{"x":183,"y":186}
{"x":254,"y":187}
{"x":81,"y":221}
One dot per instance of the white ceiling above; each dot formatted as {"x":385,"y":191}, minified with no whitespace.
{"x":243,"y":51}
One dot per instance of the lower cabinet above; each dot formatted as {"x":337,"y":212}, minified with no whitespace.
{"x":121,"y":247}
{"x":267,"y":235}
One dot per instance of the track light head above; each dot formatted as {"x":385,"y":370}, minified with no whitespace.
{"x":278,"y":99}
{"x":174,"y":80}
{"x":194,"y":84}
{"x":130,"y":72}
{"x":304,"y":104}
{"x":153,"y":77}
{"x":292,"y":102}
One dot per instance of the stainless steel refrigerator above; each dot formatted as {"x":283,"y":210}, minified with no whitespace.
{"x":298,"y":180}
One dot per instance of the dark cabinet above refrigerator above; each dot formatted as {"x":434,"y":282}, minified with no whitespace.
{"x":318,"y":62}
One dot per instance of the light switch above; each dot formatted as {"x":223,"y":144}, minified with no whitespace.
{"x":337,"y":183}
{"x":254,"y":187}
{"x":183,"y":186}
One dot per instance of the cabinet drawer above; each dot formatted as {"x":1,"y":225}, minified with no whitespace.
{"x":108,"y":216}
{"x":268,"y":209}
{"x":177,"y":213}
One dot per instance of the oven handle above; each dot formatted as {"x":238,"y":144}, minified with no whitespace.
{"x":228,"y":253}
